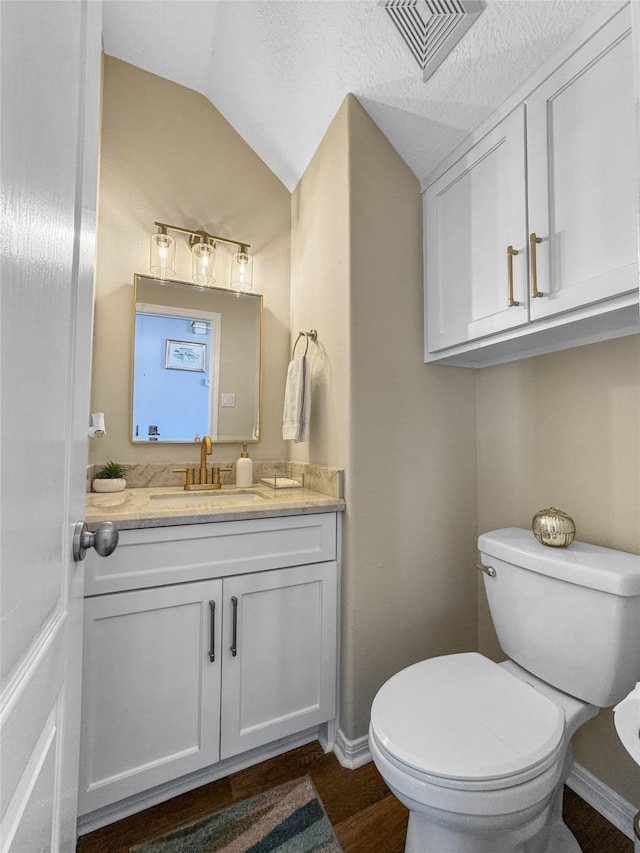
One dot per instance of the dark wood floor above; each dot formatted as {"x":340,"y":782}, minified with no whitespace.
{"x":366,"y":817}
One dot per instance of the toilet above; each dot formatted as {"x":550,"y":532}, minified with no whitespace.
{"x":479,"y":751}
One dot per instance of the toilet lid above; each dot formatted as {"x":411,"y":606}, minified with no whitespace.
{"x":464,"y":717}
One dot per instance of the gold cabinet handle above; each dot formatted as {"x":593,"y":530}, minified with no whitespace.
{"x":510,"y":253}
{"x":533,"y":240}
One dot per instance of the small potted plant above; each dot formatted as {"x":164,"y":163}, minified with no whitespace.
{"x":110,"y":478}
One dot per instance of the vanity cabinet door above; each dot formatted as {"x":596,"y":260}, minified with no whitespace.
{"x":474,"y":211}
{"x":151,"y":693}
{"x":282,"y":676}
{"x":582,"y":167}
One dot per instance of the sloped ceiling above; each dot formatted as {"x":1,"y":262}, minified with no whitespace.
{"x":278,"y":70}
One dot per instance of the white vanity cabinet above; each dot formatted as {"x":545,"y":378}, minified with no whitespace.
{"x":181,"y":676}
{"x":544,"y":202}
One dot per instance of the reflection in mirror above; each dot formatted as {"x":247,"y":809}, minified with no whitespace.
{"x":196,"y":362}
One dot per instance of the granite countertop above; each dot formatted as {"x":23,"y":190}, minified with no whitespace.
{"x":170,"y":505}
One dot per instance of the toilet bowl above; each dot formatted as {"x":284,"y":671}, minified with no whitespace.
{"x":478,"y":754}
{"x":478,"y":751}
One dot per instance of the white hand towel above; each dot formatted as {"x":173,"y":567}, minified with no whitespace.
{"x":297,"y":401}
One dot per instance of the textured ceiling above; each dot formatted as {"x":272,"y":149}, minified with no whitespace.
{"x":278,"y":70}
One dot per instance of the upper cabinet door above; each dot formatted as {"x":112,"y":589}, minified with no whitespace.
{"x":582,"y":167}
{"x":473,"y":212}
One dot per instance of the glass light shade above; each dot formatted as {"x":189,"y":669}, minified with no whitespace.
{"x":163,"y":255}
{"x":203,"y":255}
{"x":241,"y":272}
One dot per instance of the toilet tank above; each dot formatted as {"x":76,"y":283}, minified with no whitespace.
{"x":571,"y":615}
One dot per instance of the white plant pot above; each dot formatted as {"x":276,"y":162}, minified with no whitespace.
{"x":117,"y":485}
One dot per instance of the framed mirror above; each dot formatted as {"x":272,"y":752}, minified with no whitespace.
{"x":196,"y":363}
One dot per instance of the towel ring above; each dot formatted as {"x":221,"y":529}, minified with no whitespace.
{"x":313,"y":334}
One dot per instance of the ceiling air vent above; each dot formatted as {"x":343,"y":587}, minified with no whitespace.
{"x":432,"y":28}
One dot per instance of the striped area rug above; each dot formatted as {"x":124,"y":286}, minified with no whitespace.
{"x":286,"y":819}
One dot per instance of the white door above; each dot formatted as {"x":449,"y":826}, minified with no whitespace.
{"x":582,"y":168}
{"x":474,"y":212}
{"x":50,"y":72}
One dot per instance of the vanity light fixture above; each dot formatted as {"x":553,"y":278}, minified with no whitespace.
{"x":203,"y":252}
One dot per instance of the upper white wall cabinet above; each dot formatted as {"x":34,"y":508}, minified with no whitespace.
{"x":531,"y":227}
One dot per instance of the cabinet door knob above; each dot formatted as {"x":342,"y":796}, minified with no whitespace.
{"x":533,"y":241}
{"x":510,"y":253}
{"x":234,"y":629}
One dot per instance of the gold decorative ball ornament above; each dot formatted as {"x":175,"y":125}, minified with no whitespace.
{"x":553,"y":527}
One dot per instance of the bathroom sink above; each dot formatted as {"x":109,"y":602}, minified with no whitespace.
{"x":206,"y":499}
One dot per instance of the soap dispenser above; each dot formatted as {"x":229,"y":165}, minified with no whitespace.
{"x":244,"y":469}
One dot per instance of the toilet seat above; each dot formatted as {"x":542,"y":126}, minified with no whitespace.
{"x":462,"y":721}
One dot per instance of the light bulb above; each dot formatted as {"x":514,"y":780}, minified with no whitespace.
{"x":203,"y":256}
{"x":241,"y":271}
{"x":163,"y":254}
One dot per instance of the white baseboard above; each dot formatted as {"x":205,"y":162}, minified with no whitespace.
{"x":327,"y":735}
{"x":603,"y":799}
{"x":351,"y":753}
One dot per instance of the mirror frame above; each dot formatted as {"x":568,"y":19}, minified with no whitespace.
{"x":222,"y":290}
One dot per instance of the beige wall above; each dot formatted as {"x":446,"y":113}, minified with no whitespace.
{"x":564,"y":430}
{"x":410,"y":539}
{"x":320,"y":250}
{"x":168,"y":155}
{"x":404,"y":432}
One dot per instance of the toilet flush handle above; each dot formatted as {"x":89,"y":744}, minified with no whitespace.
{"x":489,"y":570}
